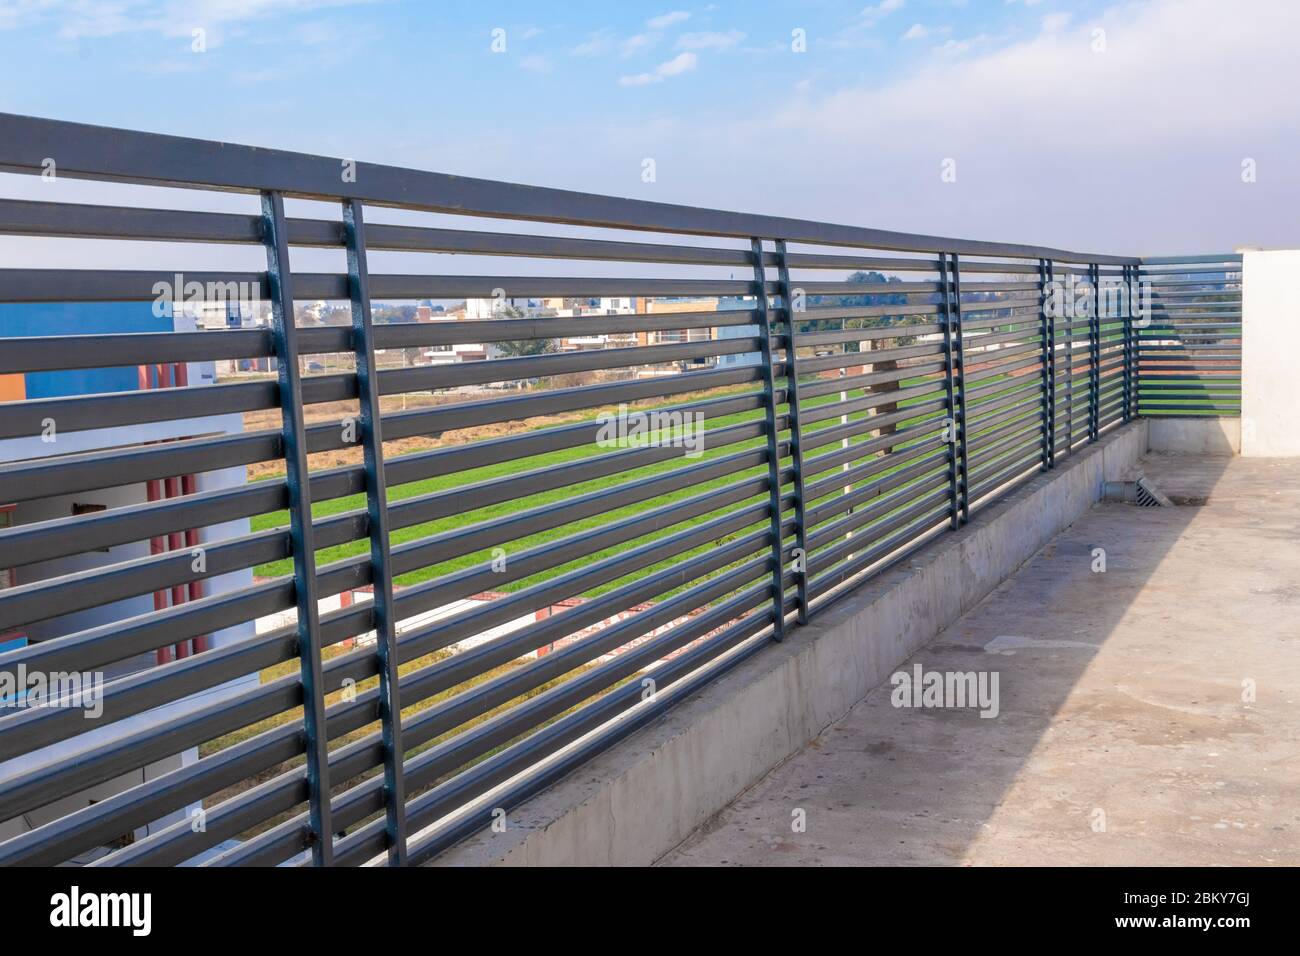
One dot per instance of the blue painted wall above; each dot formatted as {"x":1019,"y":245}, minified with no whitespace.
{"x":80,"y":318}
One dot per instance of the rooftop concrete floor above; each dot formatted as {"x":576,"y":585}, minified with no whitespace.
{"x":1127,"y":732}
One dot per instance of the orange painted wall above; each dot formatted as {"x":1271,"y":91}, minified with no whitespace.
{"x":13,"y":388}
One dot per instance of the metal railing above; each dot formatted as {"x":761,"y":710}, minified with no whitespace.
{"x":540,"y":590}
{"x":1189,"y":350}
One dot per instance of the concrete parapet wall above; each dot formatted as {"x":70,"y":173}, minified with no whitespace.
{"x":646,"y":794}
{"x":1194,"y":436}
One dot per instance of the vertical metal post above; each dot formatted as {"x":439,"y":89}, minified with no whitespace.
{"x":1146,"y":319}
{"x":1122,"y":316}
{"x":1131,"y":336}
{"x":960,"y":340}
{"x":773,"y":448}
{"x":796,"y":436}
{"x":1130,"y":351}
{"x":1094,"y":357}
{"x":1045,"y":340}
{"x":1051,"y":379}
{"x":950,"y":283}
{"x":1088,"y":366}
{"x":1070,"y":319}
{"x":390,"y":708}
{"x":294,"y":439}
{"x":950,"y":392}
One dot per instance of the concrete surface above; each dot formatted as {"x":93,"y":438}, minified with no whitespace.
{"x":1270,"y":342}
{"x":646,"y":794}
{"x":1194,"y":436}
{"x":1148,"y":715}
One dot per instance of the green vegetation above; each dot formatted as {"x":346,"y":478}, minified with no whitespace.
{"x":556,"y":496}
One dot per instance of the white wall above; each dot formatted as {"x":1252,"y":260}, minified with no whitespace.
{"x":1270,"y":354}
{"x":44,"y":509}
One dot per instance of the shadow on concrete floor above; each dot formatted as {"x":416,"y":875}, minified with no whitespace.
{"x":1126,"y":732}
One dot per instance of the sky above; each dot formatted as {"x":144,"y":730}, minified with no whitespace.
{"x":1143,"y":127}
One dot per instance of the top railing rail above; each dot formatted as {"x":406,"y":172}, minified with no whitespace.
{"x":83,"y":151}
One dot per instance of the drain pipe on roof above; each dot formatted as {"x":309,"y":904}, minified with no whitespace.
{"x":1139,"y":491}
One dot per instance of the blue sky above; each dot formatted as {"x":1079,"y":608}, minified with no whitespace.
{"x":1041,"y":124}
{"x":311,"y":73}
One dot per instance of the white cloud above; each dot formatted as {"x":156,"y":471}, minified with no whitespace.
{"x":604,"y":42}
{"x":655,"y":27}
{"x":77,"y":20}
{"x":681,"y":63}
{"x":321,"y":33}
{"x":638,"y":42}
{"x":882,"y":9}
{"x":710,"y":40}
{"x":666,"y":20}
{"x":1135,"y":150}
{"x":916,"y":32}
{"x":958,"y":47}
{"x":599,"y":43}
{"x":858,"y":33}
{"x":14,"y":13}
{"x":1055,"y":22}
{"x":536,"y":63}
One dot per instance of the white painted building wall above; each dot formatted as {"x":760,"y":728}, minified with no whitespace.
{"x":44,"y":509}
{"x":1270,"y":354}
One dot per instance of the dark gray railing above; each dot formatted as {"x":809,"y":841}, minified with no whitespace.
{"x":843,"y":425}
{"x":1189,"y":349}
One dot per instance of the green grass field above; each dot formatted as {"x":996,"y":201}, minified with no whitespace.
{"x":566,"y":493}
{"x":558,"y":495}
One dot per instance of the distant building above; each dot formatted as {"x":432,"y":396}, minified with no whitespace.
{"x":482,"y":309}
{"x":232,"y":315}
{"x":671,"y":305}
{"x":735,"y":303}
{"x":453,"y":354}
{"x":106,"y":318}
